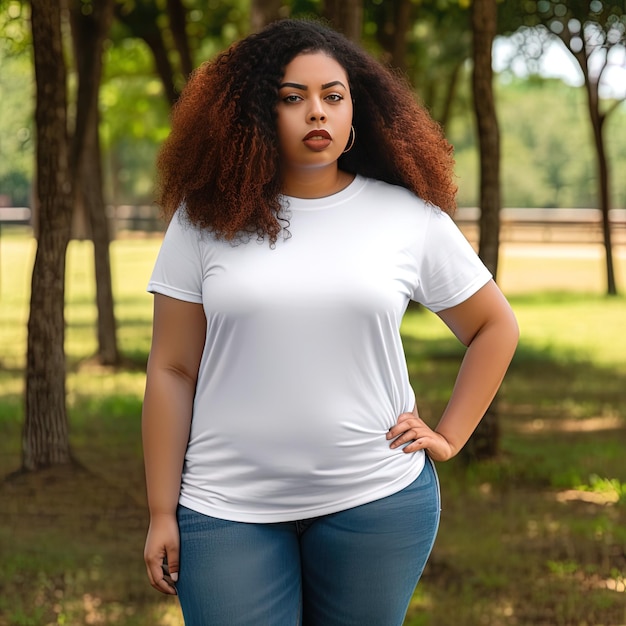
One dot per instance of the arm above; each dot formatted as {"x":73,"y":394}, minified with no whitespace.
{"x":179,"y":330}
{"x":486,"y":325}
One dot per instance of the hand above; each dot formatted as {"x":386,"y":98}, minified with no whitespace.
{"x":414,"y":434}
{"x":161,"y":553}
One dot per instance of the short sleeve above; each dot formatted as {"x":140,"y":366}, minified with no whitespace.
{"x":178,"y":269}
{"x":450,"y":270}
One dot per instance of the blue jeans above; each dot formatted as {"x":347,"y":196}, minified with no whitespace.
{"x":356,"y":567}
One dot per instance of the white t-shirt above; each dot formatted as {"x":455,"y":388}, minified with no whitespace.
{"x":303,"y":370}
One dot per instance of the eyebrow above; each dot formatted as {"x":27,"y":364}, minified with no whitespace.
{"x":305,"y":88}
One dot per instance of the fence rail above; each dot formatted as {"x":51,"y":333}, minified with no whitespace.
{"x":532,"y":225}
{"x":517,"y":225}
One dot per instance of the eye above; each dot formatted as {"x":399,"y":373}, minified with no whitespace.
{"x":334,"y":97}
{"x":292,"y":98}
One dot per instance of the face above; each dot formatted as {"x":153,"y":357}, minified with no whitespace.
{"x":314,"y":112}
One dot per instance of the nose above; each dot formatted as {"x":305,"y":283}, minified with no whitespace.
{"x":316,"y":112}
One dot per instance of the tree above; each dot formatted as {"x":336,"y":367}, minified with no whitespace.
{"x":142,"y":18}
{"x":484,"y":443}
{"x":393,"y":20}
{"x":590,"y":31}
{"x":345,"y":16}
{"x":45,"y":434}
{"x":263,"y":12}
{"x":429,"y":42}
{"x":90,"y":24}
{"x":483,"y":21}
{"x":178,"y":25}
{"x":174,"y":31}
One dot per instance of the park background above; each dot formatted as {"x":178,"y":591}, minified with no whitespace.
{"x":533,"y":530}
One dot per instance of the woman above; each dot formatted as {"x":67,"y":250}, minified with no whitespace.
{"x":289,"y":475}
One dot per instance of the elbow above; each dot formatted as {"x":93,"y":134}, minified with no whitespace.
{"x":502,"y":331}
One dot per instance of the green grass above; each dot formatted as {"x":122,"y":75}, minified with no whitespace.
{"x":535,"y":537}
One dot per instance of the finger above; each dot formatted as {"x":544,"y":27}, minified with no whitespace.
{"x":170,"y":564}
{"x":404,"y":438}
{"x":414,"y":446}
{"x":160,"y":579}
{"x":399,"y":429}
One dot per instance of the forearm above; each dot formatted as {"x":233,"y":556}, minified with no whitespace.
{"x":166,"y":419}
{"x":480,"y":375}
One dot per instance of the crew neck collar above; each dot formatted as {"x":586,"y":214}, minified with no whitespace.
{"x":315,"y":204}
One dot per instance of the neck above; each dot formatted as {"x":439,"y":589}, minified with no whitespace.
{"x":315,"y":184}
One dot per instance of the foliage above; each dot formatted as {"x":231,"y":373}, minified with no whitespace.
{"x":543,"y":143}
{"x":16,"y":135}
{"x":547,"y":158}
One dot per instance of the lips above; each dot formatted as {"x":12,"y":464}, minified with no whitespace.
{"x":317,"y":134}
{"x":317,"y":140}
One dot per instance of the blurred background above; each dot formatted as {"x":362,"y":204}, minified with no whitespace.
{"x":531,"y":94}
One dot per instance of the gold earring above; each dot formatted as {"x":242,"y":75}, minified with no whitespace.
{"x":353,"y":138}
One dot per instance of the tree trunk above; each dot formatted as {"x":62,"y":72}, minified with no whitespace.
{"x":88,"y":34}
{"x":108,"y":352}
{"x":598,"y":119}
{"x":393,"y":20}
{"x":402,"y":22}
{"x":162,"y":64}
{"x":345,"y":16}
{"x":484,"y":443}
{"x":142,"y":19}
{"x":178,"y":25}
{"x":263,"y":12}
{"x":450,"y":95}
{"x":605,"y":206}
{"x":604,"y":196}
{"x":484,"y":16}
{"x":45,"y":434}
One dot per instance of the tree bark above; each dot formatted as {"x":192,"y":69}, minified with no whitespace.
{"x":345,"y":16}
{"x":92,"y":193}
{"x":263,"y":12}
{"x":178,"y":25}
{"x":88,"y":33}
{"x":604,"y":196}
{"x":484,"y":22}
{"x":393,"y":20}
{"x":450,"y":95}
{"x":142,"y":21}
{"x":162,"y":64}
{"x":485,"y":441}
{"x":605,"y":204}
{"x":402,"y":22}
{"x":45,"y":438}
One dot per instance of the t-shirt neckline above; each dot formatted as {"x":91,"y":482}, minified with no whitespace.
{"x":327,"y":202}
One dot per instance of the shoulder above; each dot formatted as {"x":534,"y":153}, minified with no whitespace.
{"x":181,"y":230}
{"x":397,"y":202}
{"x":396,"y":195}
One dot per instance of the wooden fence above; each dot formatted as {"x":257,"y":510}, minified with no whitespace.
{"x":518,"y":225}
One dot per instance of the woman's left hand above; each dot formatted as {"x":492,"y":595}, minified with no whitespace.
{"x":414,"y":434}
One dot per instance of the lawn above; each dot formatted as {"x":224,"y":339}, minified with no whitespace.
{"x":534,"y":537}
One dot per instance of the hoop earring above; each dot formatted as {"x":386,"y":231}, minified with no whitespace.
{"x":352,"y":140}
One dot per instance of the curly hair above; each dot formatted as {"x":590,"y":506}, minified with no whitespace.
{"x":222,"y":160}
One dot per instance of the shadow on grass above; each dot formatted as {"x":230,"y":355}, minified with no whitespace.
{"x":537,"y":535}
{"x":521,"y":541}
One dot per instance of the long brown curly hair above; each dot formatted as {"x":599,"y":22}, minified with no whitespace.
{"x":221,"y":159}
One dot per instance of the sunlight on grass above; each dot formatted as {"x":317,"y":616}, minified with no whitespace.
{"x":564,"y":326}
{"x":535,"y":536}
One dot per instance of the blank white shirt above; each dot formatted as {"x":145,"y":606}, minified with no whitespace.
{"x":303,"y":370}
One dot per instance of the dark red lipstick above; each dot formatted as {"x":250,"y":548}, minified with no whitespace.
{"x":317,"y":140}
{"x":318,"y":133}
